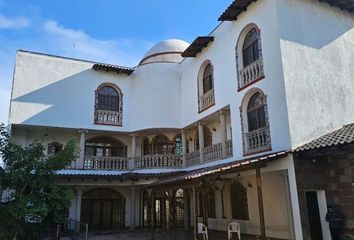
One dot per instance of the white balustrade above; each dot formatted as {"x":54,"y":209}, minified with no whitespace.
{"x":106,"y":163}
{"x":252,"y":72}
{"x":159,"y":161}
{"x":257,"y":140}
{"x":206,"y":100}
{"x":108,"y":117}
{"x":192,"y":158}
{"x":213,"y":152}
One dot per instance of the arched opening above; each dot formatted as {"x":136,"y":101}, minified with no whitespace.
{"x":103,"y":209}
{"x":108,"y":105}
{"x":250,"y":48}
{"x":180,"y":208}
{"x":146,"y":208}
{"x":54,"y":148}
{"x":177,"y":144}
{"x":145,"y":146}
{"x":255,"y":112}
{"x":208,"y":138}
{"x":207,"y":205}
{"x":206,"y":86}
{"x":105,"y":147}
{"x":160,"y":145}
{"x":249,"y":60}
{"x":255,"y":123}
{"x":208,"y":82}
{"x":239,"y":202}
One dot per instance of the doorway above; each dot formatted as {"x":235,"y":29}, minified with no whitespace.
{"x":313,"y":214}
{"x":103,"y":209}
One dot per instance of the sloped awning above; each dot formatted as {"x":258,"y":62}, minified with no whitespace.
{"x":112,"y":68}
{"x":235,"y":9}
{"x":347,"y":5}
{"x":197,"y":46}
{"x":225,"y":168}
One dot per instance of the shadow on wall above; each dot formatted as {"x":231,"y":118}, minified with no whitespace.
{"x":308,"y":26}
{"x":66,"y":104}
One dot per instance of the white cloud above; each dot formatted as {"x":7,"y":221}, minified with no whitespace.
{"x":14,"y":23}
{"x":78,"y":44}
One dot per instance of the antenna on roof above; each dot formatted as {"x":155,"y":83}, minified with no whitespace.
{"x":73,"y":49}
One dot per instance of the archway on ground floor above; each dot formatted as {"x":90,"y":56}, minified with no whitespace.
{"x":103,"y":209}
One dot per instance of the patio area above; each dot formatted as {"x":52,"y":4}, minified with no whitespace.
{"x":146,"y":234}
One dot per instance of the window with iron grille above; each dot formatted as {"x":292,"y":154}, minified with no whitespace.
{"x":239,"y":202}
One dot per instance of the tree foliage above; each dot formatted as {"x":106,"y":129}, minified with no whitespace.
{"x":33,"y":199}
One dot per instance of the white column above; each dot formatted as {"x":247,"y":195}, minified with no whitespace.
{"x":82,"y":148}
{"x":78,"y":204}
{"x":223,"y":132}
{"x":184,"y":147}
{"x":133,"y":153}
{"x":201,"y":142}
{"x":132,"y":225}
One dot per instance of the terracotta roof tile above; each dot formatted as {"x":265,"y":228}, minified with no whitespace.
{"x":341,"y":136}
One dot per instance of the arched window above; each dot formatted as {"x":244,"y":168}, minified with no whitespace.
{"x":108,"y":105}
{"x":256,"y":113}
{"x":208,"y":83}
{"x":249,"y":60}
{"x":105,"y":147}
{"x":179,"y":214}
{"x":145,"y":146}
{"x":160,"y":145}
{"x":239,"y":203}
{"x":208,"y":138}
{"x":206,"y":86}
{"x":250,"y":50}
{"x":54,"y":148}
{"x":254,"y":121}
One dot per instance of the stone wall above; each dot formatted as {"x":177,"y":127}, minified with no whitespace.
{"x":334,"y":175}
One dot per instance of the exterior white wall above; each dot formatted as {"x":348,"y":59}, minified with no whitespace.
{"x":59,"y":92}
{"x":221,"y":53}
{"x":316,"y":42}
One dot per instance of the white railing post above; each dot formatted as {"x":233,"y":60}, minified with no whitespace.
{"x":206,"y":100}
{"x":184,"y":148}
{"x":223,"y":132}
{"x":133,"y":153}
{"x":80,"y":163}
{"x":201,"y":142}
{"x":250,"y":73}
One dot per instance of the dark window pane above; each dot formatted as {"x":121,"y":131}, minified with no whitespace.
{"x":252,"y":120}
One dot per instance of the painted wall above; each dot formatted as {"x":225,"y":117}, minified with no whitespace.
{"x":317,"y":53}
{"x":221,"y":53}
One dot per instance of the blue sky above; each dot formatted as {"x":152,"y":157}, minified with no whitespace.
{"x":113,"y":31}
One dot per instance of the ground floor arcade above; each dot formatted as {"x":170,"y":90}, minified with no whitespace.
{"x":259,"y":194}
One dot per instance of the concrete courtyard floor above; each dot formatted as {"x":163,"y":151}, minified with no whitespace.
{"x":145,"y":234}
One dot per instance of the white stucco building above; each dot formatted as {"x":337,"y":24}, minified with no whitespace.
{"x":262,"y":83}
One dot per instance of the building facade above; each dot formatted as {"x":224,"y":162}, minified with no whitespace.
{"x":261,"y":84}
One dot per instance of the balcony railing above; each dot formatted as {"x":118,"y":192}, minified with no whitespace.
{"x":192,"y":158}
{"x":257,"y":140}
{"x":206,"y":100}
{"x":213,"y":152}
{"x":106,"y":163}
{"x":159,"y":161}
{"x":108,"y":117}
{"x":251,"y":73}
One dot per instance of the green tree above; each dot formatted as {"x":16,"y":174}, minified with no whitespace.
{"x":35,"y":200}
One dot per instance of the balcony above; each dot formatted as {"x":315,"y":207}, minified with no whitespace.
{"x":174,"y":161}
{"x":250,"y":74}
{"x":106,"y":163}
{"x":106,"y":117}
{"x":206,"y":100}
{"x":257,"y":141}
{"x":159,"y":161}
